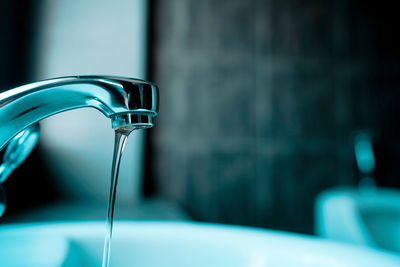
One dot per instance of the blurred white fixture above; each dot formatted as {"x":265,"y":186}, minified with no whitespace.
{"x":363,"y":216}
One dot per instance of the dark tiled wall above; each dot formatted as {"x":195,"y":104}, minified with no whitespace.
{"x":18,"y":29}
{"x":18,"y":52}
{"x":259,"y":103}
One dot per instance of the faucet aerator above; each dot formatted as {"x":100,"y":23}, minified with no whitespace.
{"x":127,"y":122}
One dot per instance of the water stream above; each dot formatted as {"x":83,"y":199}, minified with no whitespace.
{"x":120,"y":139}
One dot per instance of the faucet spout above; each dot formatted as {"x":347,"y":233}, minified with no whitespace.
{"x":129,"y":103}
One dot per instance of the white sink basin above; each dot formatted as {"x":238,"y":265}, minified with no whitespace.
{"x":175,"y":244}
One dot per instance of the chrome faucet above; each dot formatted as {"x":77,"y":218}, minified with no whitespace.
{"x":129,"y":103}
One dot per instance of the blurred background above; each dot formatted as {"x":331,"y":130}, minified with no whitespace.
{"x":262,"y":106}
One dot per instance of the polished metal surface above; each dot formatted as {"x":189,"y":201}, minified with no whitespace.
{"x":129,"y":103}
{"x":18,"y":149}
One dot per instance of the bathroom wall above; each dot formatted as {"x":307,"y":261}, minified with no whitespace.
{"x":260,"y":101}
{"x":91,"y":38}
{"x":17,"y":27}
{"x":18,"y":50}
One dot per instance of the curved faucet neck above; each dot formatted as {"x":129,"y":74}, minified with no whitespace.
{"x":130,"y":103}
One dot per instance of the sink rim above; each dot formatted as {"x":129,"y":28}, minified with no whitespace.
{"x":240,"y":239}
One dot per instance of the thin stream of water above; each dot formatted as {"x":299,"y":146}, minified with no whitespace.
{"x":120,"y":139}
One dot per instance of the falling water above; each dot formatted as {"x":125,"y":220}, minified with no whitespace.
{"x":120,"y":139}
